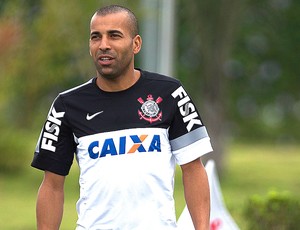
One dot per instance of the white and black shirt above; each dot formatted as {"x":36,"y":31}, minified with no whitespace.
{"x":127,"y":144}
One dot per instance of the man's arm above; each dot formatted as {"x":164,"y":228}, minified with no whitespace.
{"x":196,"y":192}
{"x":50,"y":202}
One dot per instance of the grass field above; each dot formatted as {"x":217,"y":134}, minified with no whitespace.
{"x":250,"y":169}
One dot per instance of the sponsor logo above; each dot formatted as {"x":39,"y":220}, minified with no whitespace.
{"x":119,"y":146}
{"x":149,"y":109}
{"x":52,"y":129}
{"x":90,"y":117}
{"x":187,"y":109}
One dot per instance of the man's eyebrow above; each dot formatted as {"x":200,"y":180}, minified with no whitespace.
{"x":109,"y":32}
{"x":95,"y":33}
{"x":114,"y":32}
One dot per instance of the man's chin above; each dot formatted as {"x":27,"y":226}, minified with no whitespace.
{"x":108,"y":75}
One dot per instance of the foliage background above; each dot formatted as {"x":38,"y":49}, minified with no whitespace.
{"x":259,"y":76}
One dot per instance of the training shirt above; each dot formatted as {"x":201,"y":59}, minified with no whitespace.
{"x":127,"y":144}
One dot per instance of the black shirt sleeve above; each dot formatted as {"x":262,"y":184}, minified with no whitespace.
{"x":56,"y":146}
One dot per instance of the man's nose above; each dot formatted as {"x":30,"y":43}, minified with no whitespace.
{"x":104,"y":43}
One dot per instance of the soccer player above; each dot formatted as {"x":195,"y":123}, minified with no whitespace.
{"x":128,"y":129}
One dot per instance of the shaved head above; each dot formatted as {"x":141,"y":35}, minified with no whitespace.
{"x":112,"y":9}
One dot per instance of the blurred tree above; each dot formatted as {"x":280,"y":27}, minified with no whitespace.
{"x":205,"y":43}
{"x":239,"y":59}
{"x":264,"y":72}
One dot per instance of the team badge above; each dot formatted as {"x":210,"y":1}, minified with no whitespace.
{"x":149,"y":109}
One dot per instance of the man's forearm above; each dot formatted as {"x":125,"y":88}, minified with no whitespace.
{"x":49,"y":208}
{"x":196,"y":190}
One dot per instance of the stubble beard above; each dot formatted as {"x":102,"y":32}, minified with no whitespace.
{"x":113,"y":72}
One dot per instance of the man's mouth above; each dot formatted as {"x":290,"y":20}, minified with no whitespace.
{"x":105,"y":60}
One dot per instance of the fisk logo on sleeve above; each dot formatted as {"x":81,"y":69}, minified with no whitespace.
{"x":186,"y":108}
{"x":52,"y":129}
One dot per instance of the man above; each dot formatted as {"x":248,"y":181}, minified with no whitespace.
{"x":128,"y":128}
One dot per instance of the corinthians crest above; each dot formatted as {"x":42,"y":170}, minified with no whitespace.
{"x":149,"y":109}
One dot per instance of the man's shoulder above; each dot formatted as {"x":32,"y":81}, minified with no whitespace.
{"x":159,"y":77}
{"x":77,"y":89}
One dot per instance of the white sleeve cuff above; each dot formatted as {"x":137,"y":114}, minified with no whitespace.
{"x":193,"y":151}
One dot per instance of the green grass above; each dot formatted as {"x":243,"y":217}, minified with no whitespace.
{"x":257,"y":169}
{"x":250,"y":169}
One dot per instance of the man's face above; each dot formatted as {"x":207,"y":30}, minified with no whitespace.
{"x":112,"y":45}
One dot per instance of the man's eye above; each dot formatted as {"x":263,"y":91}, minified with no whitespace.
{"x":94,"y":37}
{"x":115,"y":35}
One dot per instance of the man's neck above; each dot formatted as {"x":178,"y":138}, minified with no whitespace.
{"x":118,"y":84}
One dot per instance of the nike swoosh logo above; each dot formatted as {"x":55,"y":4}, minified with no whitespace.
{"x":90,"y":117}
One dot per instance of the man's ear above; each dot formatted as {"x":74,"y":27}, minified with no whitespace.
{"x":137,"y":44}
